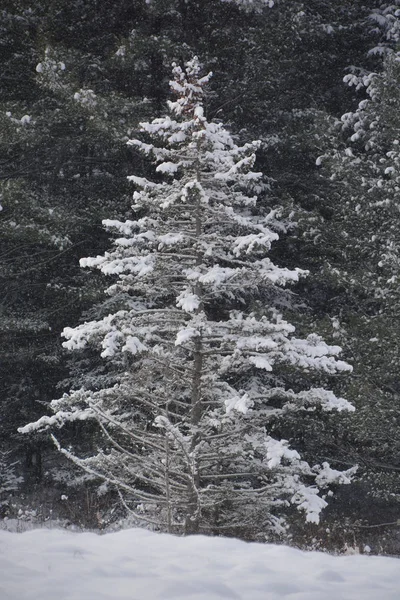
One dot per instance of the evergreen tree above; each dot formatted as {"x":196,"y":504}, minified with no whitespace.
{"x":75,"y":78}
{"x":9,"y":481}
{"x":61,"y":147}
{"x":361,"y":271}
{"x":202,"y":357}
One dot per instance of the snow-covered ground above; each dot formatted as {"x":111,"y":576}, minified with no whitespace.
{"x":139,"y":565}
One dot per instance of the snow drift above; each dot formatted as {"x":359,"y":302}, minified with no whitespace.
{"x":139,"y":565}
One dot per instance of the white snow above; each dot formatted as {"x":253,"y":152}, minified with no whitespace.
{"x":169,"y":239}
{"x":278,"y":450}
{"x":133,"y":345}
{"x":185,"y":335}
{"x":167,"y":167}
{"x":140,"y":565}
{"x":187,"y":301}
{"x":248,"y":243}
{"x":86,"y":97}
{"x":25,"y":120}
{"x":261,"y":362}
{"x":239,"y":403}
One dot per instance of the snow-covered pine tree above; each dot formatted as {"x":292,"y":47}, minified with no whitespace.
{"x":200,"y":350}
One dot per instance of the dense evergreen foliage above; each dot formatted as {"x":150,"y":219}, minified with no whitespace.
{"x":77,"y":78}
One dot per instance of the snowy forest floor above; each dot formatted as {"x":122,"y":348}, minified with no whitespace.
{"x":137,"y":564}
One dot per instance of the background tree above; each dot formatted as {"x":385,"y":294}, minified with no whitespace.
{"x":9,"y":481}
{"x":59,"y":157}
{"x":361,"y":267}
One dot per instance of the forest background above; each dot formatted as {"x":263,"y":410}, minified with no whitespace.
{"x":318,"y":83}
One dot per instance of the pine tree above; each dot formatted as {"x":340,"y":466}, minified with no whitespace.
{"x":201,"y":353}
{"x":361,"y":270}
{"x":9,"y":481}
{"x":62,"y":155}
